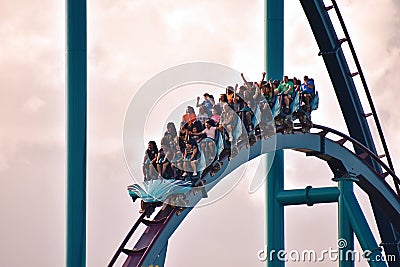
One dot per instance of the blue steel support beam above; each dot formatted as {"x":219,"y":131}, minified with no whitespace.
{"x":311,"y":143}
{"x":274,"y":39}
{"x":275,"y":210}
{"x":160,"y":260}
{"x":76,"y":132}
{"x":348,"y":99}
{"x":339,"y":72}
{"x":364,"y":82}
{"x":362,"y":230}
{"x":308,"y":196}
{"x":346,"y":234}
{"x":274,"y":69}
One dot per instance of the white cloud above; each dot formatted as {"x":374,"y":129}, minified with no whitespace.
{"x":4,"y":164}
{"x":34,"y":104}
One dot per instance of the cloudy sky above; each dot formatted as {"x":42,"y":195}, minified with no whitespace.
{"x":128,"y":43}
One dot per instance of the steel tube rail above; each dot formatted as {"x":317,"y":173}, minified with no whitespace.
{"x":364,"y":82}
{"x":126,"y":240}
{"x":309,"y":196}
{"x":396,"y":179}
{"x":362,"y":230}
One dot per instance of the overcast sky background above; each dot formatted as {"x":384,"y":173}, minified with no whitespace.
{"x":128,"y":43}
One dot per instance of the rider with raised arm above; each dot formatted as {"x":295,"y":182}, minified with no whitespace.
{"x":208,"y":103}
{"x":260,"y":92}
{"x":249,"y":93}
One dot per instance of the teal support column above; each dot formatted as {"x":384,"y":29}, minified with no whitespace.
{"x":274,"y":39}
{"x":76,"y":94}
{"x":274,"y":69}
{"x":363,"y":232}
{"x":275,"y":212}
{"x":346,"y":236}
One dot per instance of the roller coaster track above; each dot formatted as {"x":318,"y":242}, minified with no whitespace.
{"x":346,"y":92}
{"x":340,"y":159}
{"x":362,"y":161}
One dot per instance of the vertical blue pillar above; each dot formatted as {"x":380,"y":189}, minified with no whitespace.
{"x":76,"y":94}
{"x":274,"y":69}
{"x":363,"y":232}
{"x":346,"y":236}
{"x":274,"y":55}
{"x":275,"y":211}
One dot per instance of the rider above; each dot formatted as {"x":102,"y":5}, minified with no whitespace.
{"x":150,"y":161}
{"x":229,"y":120}
{"x":165,"y":154}
{"x":190,"y":115}
{"x":211,"y":132}
{"x":286,"y":89}
{"x":308,"y":91}
{"x":208,"y":103}
{"x":191,"y":157}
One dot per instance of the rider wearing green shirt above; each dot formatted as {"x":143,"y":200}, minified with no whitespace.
{"x":286,"y":86}
{"x":286,"y":89}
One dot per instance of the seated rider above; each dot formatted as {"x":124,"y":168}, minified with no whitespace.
{"x":165,"y":154}
{"x":286,"y":89}
{"x":196,"y":124}
{"x":250,"y":95}
{"x":223,"y":99}
{"x":268,"y":103}
{"x":183,"y":136}
{"x":171,"y":134}
{"x":150,"y":161}
{"x":207,"y":104}
{"x":230,"y":94}
{"x":195,"y":135}
{"x":190,"y":115}
{"x":177,"y":162}
{"x":203,"y":115}
{"x":191,"y":157}
{"x":228,"y":120}
{"x":216,"y":114}
{"x":307,"y":90}
{"x":210,"y":132}
{"x":269,"y":95}
{"x":237,"y":103}
{"x":246,"y":115}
